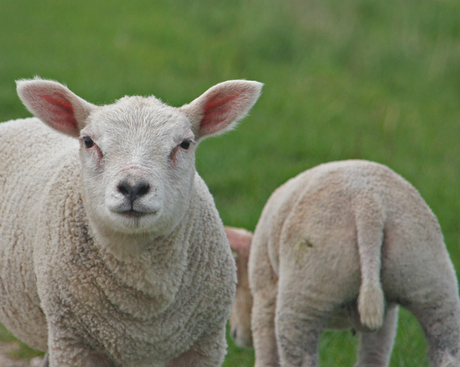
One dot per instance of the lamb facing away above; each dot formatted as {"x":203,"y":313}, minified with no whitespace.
{"x":338,"y":246}
{"x":112,"y":252}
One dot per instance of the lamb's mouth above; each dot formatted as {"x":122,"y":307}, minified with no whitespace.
{"x":134,"y":213}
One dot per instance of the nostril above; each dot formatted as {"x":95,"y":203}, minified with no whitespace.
{"x":142,"y":188}
{"x":133,"y":191}
{"x":124,"y":188}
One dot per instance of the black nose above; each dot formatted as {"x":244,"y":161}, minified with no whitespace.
{"x":133,"y":192}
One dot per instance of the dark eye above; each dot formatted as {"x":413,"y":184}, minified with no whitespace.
{"x":185,"y":144}
{"x":88,"y":142}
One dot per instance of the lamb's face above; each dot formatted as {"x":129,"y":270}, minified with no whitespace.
{"x":138,"y":165}
{"x":137,"y":155}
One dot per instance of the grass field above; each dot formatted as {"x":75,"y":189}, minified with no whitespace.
{"x":370,"y":79}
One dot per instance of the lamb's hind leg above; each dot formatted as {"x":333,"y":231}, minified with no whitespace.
{"x":263,"y":329}
{"x":297,"y":339}
{"x":436,"y":305}
{"x":375,"y":348}
{"x":440,"y":322}
{"x":300,"y":318}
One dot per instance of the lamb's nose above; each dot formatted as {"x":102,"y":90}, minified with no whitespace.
{"x":133,"y":192}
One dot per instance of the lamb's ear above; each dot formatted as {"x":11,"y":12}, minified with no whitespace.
{"x":55,"y":105}
{"x":240,"y":239}
{"x":220,"y":107}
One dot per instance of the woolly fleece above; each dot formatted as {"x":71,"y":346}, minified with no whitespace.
{"x":63,"y":287}
{"x":339,"y":246}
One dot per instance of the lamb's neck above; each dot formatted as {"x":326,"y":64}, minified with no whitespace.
{"x":132,"y":247}
{"x":126,"y":247}
{"x":152,"y":265}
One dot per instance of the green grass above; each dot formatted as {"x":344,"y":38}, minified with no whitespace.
{"x":371,"y":79}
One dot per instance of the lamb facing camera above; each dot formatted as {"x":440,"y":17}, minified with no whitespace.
{"x":339,"y":246}
{"x":112,"y":252}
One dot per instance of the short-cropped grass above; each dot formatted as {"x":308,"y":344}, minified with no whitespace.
{"x":368,"y":79}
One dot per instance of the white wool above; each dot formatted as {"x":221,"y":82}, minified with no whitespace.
{"x":112,"y":252}
{"x":342,"y":245}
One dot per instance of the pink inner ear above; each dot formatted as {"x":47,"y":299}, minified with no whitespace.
{"x":61,"y":113}
{"x":218,"y":113}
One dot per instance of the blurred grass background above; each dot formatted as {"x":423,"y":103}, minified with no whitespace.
{"x":369,"y":79}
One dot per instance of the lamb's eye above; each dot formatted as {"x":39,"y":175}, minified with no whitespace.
{"x":88,"y":142}
{"x":185,"y":144}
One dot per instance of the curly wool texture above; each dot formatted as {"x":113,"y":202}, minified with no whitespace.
{"x":49,"y":262}
{"x":141,"y":310}
{"x":112,"y":250}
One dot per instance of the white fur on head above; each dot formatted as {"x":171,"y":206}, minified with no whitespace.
{"x":222,"y":106}
{"x":55,"y":104}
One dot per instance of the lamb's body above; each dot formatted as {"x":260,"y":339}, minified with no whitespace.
{"x":112,"y":252}
{"x":19,"y":212}
{"x":327,"y":243}
{"x":82,"y":285}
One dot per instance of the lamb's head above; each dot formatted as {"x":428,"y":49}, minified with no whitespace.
{"x":240,"y":319}
{"x":138,"y":154}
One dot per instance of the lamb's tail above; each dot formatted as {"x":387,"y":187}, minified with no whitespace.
{"x":370,"y":223}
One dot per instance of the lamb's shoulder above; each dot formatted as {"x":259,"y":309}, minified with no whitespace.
{"x":206,"y":226}
{"x":211,"y":263}
{"x":207,"y":231}
{"x":60,"y":226}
